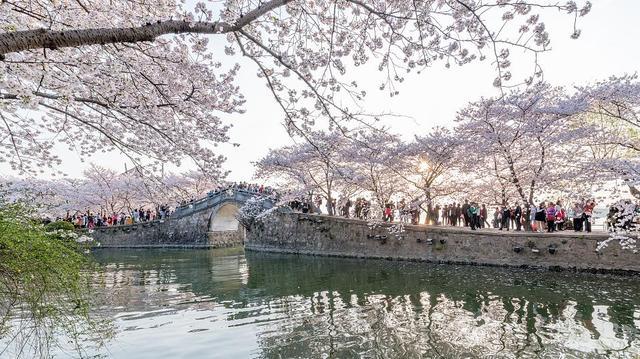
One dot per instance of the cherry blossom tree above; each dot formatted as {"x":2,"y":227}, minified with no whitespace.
{"x":116,"y":192}
{"x":309,"y":167}
{"x":488,"y":183}
{"x":175,"y":188}
{"x":371,"y":159}
{"x":147,"y":79}
{"x":255,"y":209}
{"x":426,"y":162}
{"x":103,"y":190}
{"x":528,"y":138}
{"x":100,"y":190}
{"x":46,"y":196}
{"x":613,"y":105}
{"x":613,"y":108}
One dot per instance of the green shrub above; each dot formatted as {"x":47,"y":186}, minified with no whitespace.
{"x":45,"y":284}
{"x":54,"y":226}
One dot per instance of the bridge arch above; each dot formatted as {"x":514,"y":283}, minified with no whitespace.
{"x":212,"y":221}
{"x":224,"y":217}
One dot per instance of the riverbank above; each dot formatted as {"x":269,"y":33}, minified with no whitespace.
{"x":306,"y":234}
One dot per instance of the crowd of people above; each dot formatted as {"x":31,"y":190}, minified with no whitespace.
{"x":236,"y":186}
{"x":545,"y":216}
{"x":361,"y":207}
{"x":344,"y":206}
{"x":90,"y":219}
{"x":244,"y":186}
{"x":548,"y":216}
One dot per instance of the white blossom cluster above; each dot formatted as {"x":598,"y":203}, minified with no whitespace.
{"x":143,"y":78}
{"x":624,"y":226}
{"x":72,"y":235}
{"x":397,"y":229}
{"x":103,"y":189}
{"x":548,"y":139}
{"x":254,"y":209}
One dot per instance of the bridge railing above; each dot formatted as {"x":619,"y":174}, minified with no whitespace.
{"x":212,"y":199}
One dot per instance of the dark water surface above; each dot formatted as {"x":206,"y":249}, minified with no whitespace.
{"x":231,"y":304}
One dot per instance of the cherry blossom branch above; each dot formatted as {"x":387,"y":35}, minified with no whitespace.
{"x":43,"y":38}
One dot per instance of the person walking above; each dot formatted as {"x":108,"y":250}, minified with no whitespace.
{"x":517,"y":213}
{"x":532,"y":217}
{"x":483,"y":217}
{"x":561,"y":217}
{"x":588,"y":213}
{"x":506,"y":217}
{"x":578,"y":211}
{"x":476,"y":216}
{"x":453,"y":211}
{"x":469,"y":216}
{"x":387,"y":213}
{"x":347,"y":207}
{"x":540,"y":217}
{"x":465,"y":213}
{"x":551,"y":217}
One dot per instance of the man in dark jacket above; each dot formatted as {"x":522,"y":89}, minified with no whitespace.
{"x":465,"y":213}
{"x":452,"y":213}
{"x":347,"y":208}
{"x":506,"y":217}
{"x":518,"y":217}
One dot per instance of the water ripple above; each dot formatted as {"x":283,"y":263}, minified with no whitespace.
{"x":203,"y":304}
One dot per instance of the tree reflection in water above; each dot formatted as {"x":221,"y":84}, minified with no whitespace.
{"x":300,"y":306}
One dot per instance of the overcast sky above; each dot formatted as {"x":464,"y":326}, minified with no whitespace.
{"x":608,"y":46}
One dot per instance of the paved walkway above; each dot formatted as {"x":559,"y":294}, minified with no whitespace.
{"x":597,"y":232}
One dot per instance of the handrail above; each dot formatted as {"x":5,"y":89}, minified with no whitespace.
{"x":218,"y":194}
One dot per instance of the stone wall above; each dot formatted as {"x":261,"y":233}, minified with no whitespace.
{"x":185,"y":231}
{"x":321,"y":235}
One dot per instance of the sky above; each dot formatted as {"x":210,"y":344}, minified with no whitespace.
{"x":432,"y":98}
{"x":606,"y":47}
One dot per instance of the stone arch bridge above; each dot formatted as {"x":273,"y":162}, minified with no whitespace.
{"x":208,"y":222}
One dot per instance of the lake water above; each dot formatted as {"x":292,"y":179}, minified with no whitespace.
{"x":232,"y":304}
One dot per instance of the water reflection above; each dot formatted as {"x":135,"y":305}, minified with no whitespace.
{"x":223,"y":303}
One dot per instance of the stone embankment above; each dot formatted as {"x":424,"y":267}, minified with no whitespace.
{"x":330,"y":236}
{"x":183,"y":232}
